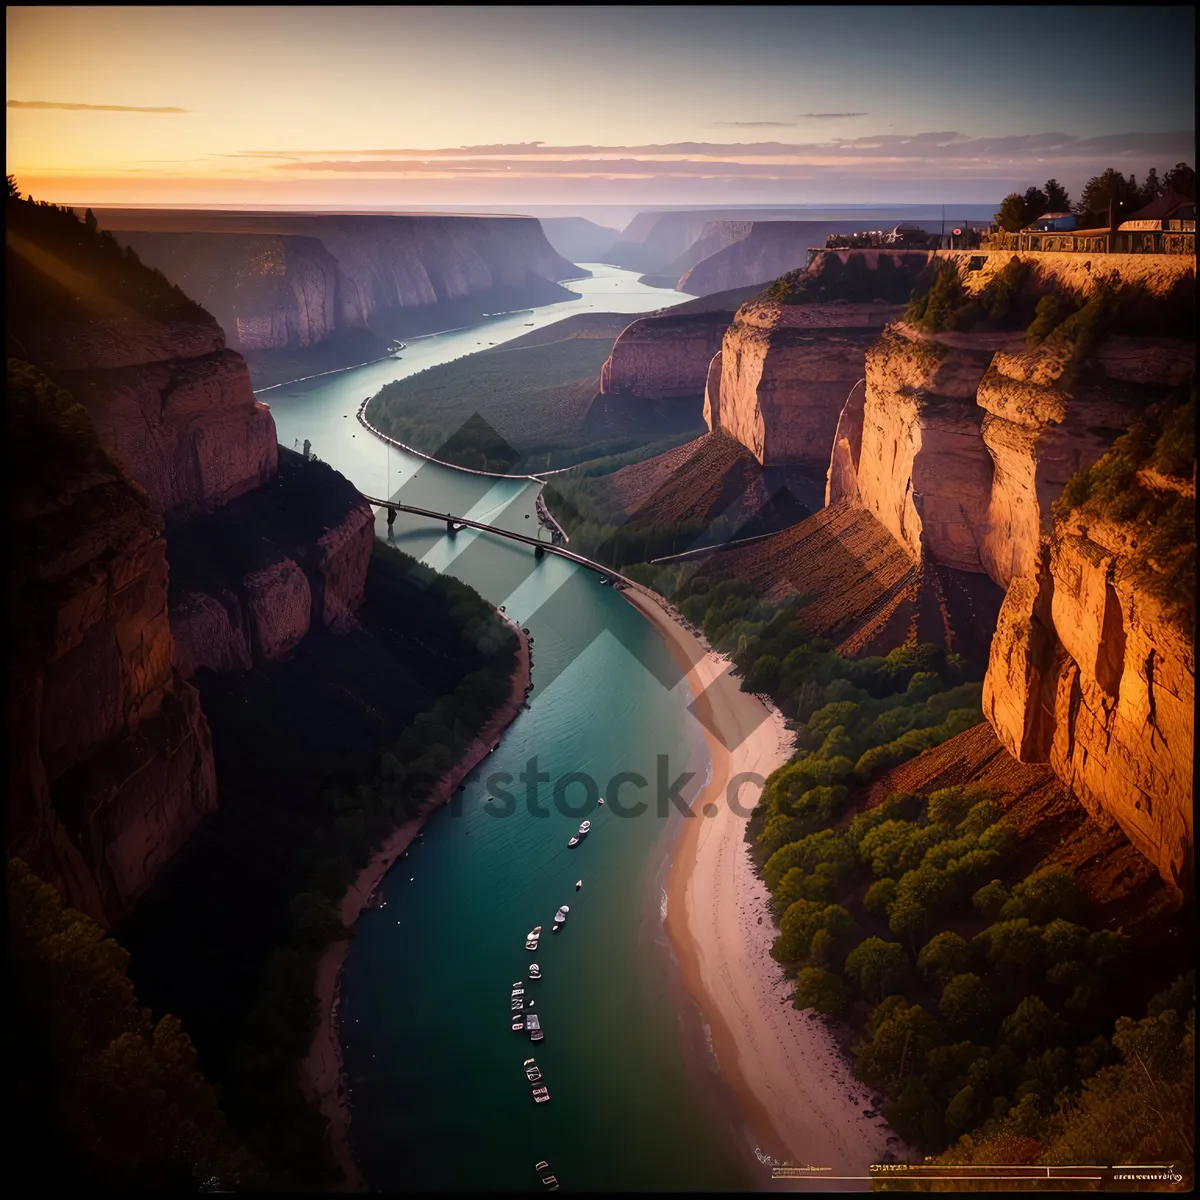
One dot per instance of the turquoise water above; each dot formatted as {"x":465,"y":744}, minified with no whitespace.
{"x":438,"y":1093}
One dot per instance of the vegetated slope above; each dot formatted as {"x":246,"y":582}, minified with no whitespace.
{"x":706,"y":491}
{"x":860,"y":589}
{"x":524,"y":408}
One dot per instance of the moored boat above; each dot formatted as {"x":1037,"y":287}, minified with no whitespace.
{"x":541,"y":1093}
{"x":585,"y":828}
{"x":535,"y":972}
{"x":573,"y":843}
{"x":531,"y":938}
{"x":578,"y":884}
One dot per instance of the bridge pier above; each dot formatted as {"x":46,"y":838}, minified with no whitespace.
{"x":451,"y":527}
{"x":539,"y":552}
{"x":391,"y":517}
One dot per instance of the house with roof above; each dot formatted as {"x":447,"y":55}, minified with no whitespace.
{"x":1168,"y":211}
{"x":1055,"y":222}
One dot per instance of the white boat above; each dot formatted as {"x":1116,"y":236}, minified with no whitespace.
{"x":578,"y":884}
{"x":541,"y":1093}
{"x":585,"y":828}
{"x":573,"y":843}
{"x":535,"y":972}
{"x":517,"y":1005}
{"x":518,"y":1024}
{"x":534,"y":1025}
{"x":561,"y":915}
{"x":531,"y":938}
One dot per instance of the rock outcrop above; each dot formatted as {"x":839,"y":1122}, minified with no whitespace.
{"x":765,"y":251}
{"x":714,"y":236}
{"x":111,"y":764}
{"x":665,"y":355}
{"x":1090,"y":674}
{"x":286,"y":280}
{"x":786,"y":371}
{"x":923,"y":471}
{"x":1041,"y":429}
{"x":250,"y":581}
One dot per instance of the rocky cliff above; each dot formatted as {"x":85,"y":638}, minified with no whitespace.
{"x":112,"y":764}
{"x":767,"y":250}
{"x":1093,"y":662}
{"x":667,"y":353}
{"x":714,"y":236}
{"x":250,"y":581}
{"x":110,"y":760}
{"x":287,"y":280}
{"x":785,"y":371}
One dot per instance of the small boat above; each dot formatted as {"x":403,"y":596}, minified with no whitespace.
{"x":517,"y":1005}
{"x":518,"y":1025}
{"x":578,"y":884}
{"x":600,"y":800}
{"x":573,"y":843}
{"x":561,"y":915}
{"x":603,"y":578}
{"x":535,"y":972}
{"x":534,"y":1025}
{"x":531,"y":938}
{"x":541,"y":1093}
{"x":585,"y":828}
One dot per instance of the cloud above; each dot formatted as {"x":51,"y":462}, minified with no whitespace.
{"x":830,"y":116}
{"x":65,"y":106}
{"x":759,"y":124}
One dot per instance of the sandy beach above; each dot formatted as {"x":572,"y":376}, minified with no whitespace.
{"x":796,"y":1088}
{"x":322,"y":1070}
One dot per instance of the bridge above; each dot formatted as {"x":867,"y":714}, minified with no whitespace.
{"x":540,"y":548}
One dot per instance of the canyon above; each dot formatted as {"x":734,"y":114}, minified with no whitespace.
{"x":945,"y":452}
{"x":145,"y":458}
{"x":297,"y":281}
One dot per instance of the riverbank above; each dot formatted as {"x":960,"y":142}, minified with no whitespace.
{"x":322,"y":1070}
{"x":797,"y":1091}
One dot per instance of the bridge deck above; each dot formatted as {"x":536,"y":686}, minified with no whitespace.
{"x":547,"y":547}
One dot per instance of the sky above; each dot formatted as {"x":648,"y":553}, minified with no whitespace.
{"x":710,"y":105}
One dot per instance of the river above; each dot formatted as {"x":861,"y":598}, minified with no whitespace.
{"x":438,"y":1093}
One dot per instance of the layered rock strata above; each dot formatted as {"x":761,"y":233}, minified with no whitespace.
{"x":111,"y":764}
{"x":287,"y":280}
{"x":1090,"y":674}
{"x":786,"y":371}
{"x":236,"y":599}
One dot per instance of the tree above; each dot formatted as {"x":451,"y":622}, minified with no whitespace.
{"x":821,"y":990}
{"x":90,"y":223}
{"x":1057,"y":199}
{"x":943,"y":956}
{"x":801,"y":923}
{"x":1035,"y":204}
{"x":966,"y":1004}
{"x":1029,"y":1027}
{"x":14,"y":192}
{"x":1011,"y":214}
{"x":875,"y":967}
{"x":1181,"y":180}
{"x":1151,"y":188}
{"x":1046,"y":894}
{"x":1109,"y":189}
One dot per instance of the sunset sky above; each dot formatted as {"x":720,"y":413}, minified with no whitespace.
{"x":519,"y":106}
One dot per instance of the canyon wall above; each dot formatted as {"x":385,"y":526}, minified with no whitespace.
{"x":768,"y":249}
{"x":238,"y":597}
{"x":785,"y":372}
{"x":110,"y":759}
{"x":1091,"y":674}
{"x":157,"y":465}
{"x":714,"y":236}
{"x":288,"y":280}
